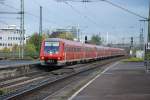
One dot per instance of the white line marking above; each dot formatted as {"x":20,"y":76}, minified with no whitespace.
{"x":76,"y":93}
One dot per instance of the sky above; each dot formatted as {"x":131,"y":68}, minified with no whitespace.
{"x":97,"y":17}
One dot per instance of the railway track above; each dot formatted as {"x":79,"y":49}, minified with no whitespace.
{"x":13,"y":85}
{"x":47,"y":82}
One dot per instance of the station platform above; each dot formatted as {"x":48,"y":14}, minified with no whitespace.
{"x":120,"y":81}
{"x":16,"y":63}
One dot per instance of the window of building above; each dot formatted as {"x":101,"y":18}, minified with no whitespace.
{"x":0,"y":38}
{"x":9,"y":44}
{"x":0,"y":44}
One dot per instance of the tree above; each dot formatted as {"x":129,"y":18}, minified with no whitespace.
{"x":30,"y":49}
{"x":15,"y":48}
{"x":36,"y":40}
{"x":6,"y":49}
{"x":96,"y":39}
{"x":66,"y":35}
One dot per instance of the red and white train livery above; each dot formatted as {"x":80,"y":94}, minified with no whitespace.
{"x":60,"y":51}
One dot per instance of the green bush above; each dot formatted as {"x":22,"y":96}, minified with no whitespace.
{"x":147,"y":55}
{"x":30,"y":50}
{"x":134,"y":59}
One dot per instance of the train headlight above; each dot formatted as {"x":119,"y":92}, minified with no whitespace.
{"x":42,"y":58}
{"x":59,"y":58}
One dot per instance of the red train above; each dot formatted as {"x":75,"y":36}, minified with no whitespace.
{"x":60,"y":51}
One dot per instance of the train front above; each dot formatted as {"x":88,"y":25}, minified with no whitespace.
{"x":51,"y":52}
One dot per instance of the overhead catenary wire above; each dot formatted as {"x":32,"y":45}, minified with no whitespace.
{"x":4,"y":4}
{"x":78,"y":12}
{"x":124,"y":9}
{"x":48,"y":10}
{"x":109,"y":2}
{"x":9,"y":17}
{"x":9,"y":12}
{"x":28,"y":13}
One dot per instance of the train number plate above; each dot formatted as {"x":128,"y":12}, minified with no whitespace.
{"x":49,"y":61}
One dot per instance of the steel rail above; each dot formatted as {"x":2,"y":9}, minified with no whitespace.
{"x":33,"y":87}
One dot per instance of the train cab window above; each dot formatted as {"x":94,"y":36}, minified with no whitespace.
{"x":75,"y":49}
{"x":51,"y":47}
{"x":79,"y":49}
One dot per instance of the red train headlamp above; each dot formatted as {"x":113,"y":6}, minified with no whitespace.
{"x":42,"y":58}
{"x":59,"y":58}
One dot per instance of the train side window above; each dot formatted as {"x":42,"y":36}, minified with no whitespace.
{"x":70,"y":49}
{"x":79,"y":49}
{"x":66,"y":49}
{"x":73,"y":50}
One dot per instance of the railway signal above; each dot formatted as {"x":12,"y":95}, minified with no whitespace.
{"x":86,"y":39}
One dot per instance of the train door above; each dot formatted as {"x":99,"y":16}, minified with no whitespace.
{"x":62,"y":52}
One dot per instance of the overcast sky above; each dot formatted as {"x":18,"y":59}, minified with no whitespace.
{"x":92,"y":18}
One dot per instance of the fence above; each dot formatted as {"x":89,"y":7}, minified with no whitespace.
{"x":9,"y":55}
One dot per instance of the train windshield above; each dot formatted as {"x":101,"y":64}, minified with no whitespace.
{"x":51,"y":47}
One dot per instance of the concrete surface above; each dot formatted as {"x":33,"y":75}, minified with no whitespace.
{"x":125,"y":81}
{"x":14,"y":63}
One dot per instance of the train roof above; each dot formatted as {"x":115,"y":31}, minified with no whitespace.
{"x":75,"y":43}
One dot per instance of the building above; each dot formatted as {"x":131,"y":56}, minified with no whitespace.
{"x":9,"y":37}
{"x":72,"y":30}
